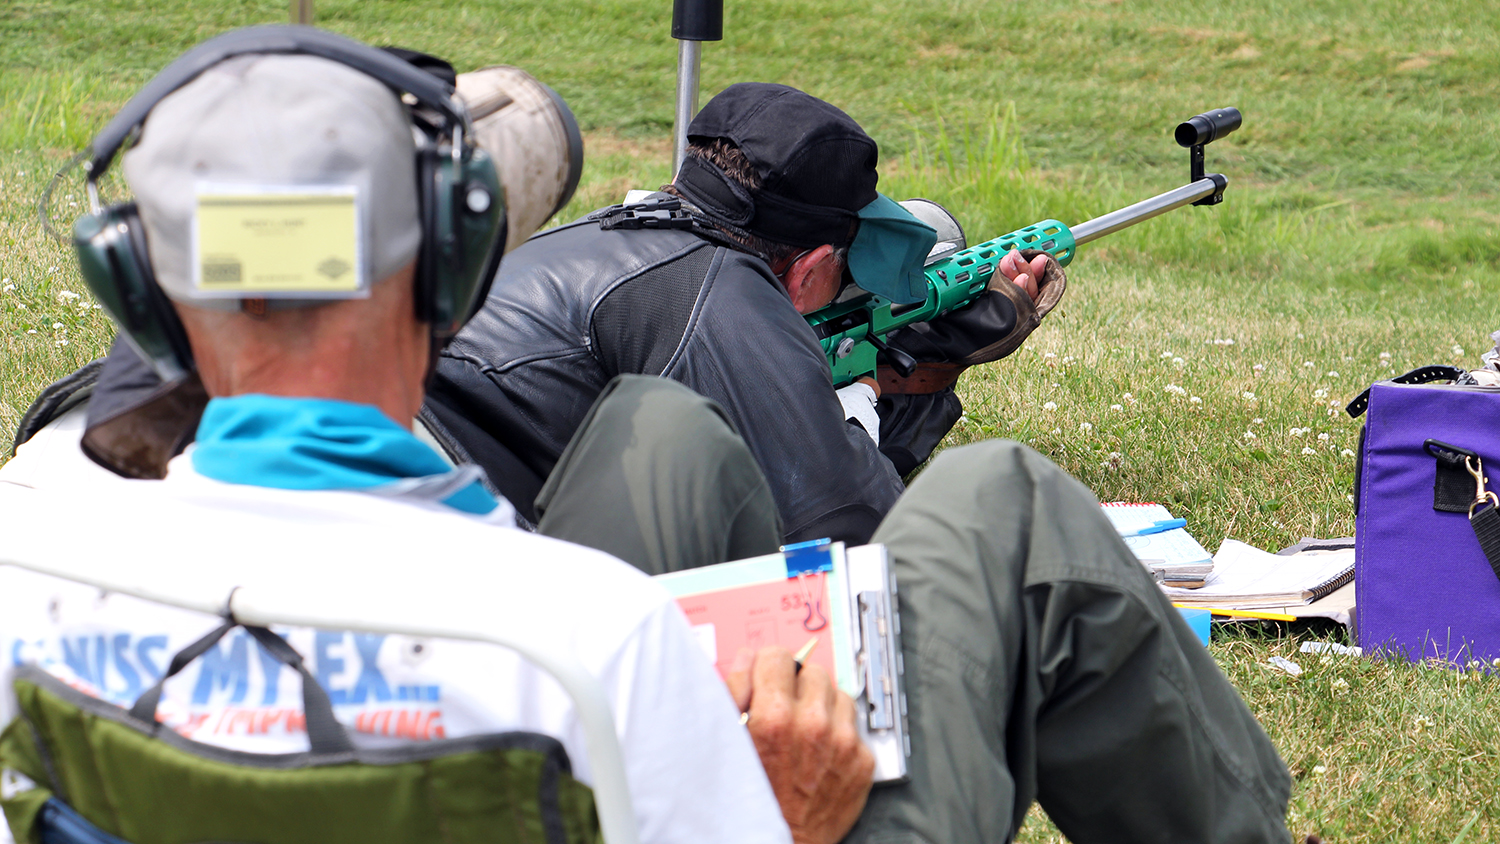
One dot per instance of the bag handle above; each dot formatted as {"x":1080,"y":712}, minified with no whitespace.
{"x":324,"y":733}
{"x":1421,"y":375}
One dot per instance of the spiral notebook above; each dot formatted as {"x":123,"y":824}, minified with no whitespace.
{"x":1174,"y":554}
{"x":1245,"y":577}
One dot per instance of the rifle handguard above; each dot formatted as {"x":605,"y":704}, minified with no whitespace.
{"x":1023,"y":316}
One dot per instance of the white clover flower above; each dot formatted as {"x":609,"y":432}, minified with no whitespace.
{"x":1296,"y":432}
{"x":1175,"y":390}
{"x":1385,"y":355}
{"x":56,"y":325}
{"x":22,"y":306}
{"x":1309,"y":364}
{"x":97,"y":306}
{"x":1320,"y":394}
{"x":62,"y":342}
{"x":1051,"y":405}
{"x":1350,"y":499}
{"x":1323,"y":437}
{"x":1178,"y":362}
{"x":1049,"y":355}
{"x":1319,"y":769}
{"x":1116,"y":407}
{"x":1195,"y":400}
{"x":1258,"y":421}
{"x":1458,"y":350}
{"x":1495,"y":663}
{"x":1421,"y":723}
{"x":1115,"y":455}
{"x":1346,"y":453}
{"x":31,"y":331}
{"x":67,"y":294}
{"x":1058,"y":431}
{"x":1300,"y":337}
{"x":1250,"y":435}
{"x":1385,"y":364}
{"x":1306,"y":450}
{"x":52,"y":269}
{"x":1086,"y":427}
{"x":1166,"y":355}
{"x":1333,"y":373}
{"x":1129,"y":399}
{"x":1341,"y":684}
{"x":1247,"y":396}
{"x":963,"y":419}
{"x":1258,"y":367}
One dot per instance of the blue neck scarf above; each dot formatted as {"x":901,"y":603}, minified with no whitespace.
{"x":316,"y":444}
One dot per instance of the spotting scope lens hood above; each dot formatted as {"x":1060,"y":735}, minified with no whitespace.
{"x":532,"y":137}
{"x":1207,"y":127}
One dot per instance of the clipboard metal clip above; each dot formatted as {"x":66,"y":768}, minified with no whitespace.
{"x":880,"y":693}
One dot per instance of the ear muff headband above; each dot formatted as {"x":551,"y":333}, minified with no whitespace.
{"x":429,"y":90}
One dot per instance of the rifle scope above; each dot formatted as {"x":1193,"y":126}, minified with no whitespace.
{"x":1207,"y":127}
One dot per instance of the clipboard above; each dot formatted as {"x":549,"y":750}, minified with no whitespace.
{"x":845,"y":598}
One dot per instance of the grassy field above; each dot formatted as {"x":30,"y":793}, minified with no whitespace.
{"x":1200,"y":360}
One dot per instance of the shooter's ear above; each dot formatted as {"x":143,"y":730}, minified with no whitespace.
{"x":813,"y":279}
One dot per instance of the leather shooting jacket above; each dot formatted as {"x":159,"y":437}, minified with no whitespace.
{"x":577,"y":305}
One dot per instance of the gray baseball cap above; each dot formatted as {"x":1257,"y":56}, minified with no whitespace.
{"x":284,"y":121}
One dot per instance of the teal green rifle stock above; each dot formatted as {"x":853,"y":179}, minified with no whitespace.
{"x":852,"y":332}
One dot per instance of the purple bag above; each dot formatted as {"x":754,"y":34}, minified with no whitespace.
{"x":1425,"y":586}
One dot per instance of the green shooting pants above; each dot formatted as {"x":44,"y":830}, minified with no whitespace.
{"x":1042,"y":663}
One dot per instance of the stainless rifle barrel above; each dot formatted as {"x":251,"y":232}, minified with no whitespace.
{"x":1142,"y":211}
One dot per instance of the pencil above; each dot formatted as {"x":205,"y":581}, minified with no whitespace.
{"x":1269,"y":616}
{"x":806,"y":651}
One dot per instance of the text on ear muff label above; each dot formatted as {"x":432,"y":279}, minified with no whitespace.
{"x":295,"y":241}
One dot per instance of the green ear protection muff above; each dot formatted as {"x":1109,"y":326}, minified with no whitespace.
{"x":462,"y":204}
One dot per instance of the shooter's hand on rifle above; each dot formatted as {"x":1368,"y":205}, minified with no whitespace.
{"x":1024,"y":274}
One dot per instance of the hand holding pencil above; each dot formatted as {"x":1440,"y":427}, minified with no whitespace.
{"x":804,"y":731}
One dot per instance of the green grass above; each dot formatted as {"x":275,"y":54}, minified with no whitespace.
{"x":1358,"y":237}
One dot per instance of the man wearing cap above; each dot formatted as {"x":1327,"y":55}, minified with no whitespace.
{"x":773,"y":210}
{"x":1041,"y":660}
{"x":304,"y":451}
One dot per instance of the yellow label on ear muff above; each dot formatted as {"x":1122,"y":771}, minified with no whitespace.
{"x":293,"y":241}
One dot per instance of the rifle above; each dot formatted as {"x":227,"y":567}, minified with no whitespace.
{"x":853,"y":332}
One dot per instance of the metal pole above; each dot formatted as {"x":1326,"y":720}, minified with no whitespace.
{"x":689,"y":54}
{"x":1142,"y":211}
{"x":693,"y":22}
{"x":302,"y":12}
